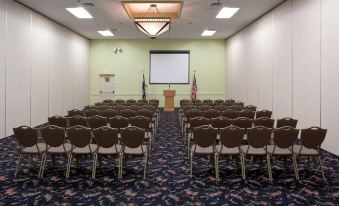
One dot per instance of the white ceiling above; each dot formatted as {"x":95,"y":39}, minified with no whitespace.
{"x":196,"y":16}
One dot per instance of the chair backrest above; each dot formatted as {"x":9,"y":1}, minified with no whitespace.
{"x":204,"y":107}
{"x":145,"y":113}
{"x":258,"y":136}
{"x":285,"y":137}
{"x":118,"y":122}
{"x":57,"y":121}
{"x":110,"y":113}
{"x":218,"y":101}
{"x":140,"y":121}
{"x":264,"y":121}
{"x":212,"y":113}
{"x":188,"y":107}
{"x":313,"y":137}
{"x":128,"y":113}
{"x":198,"y":121}
{"x":221,"y":122}
{"x":132,"y":136}
{"x":154,"y":102}
{"x":53,"y":135}
{"x":230,"y":114}
{"x":91,"y":112}
{"x":239,"y":103}
{"x":243,"y":122}
{"x":192,"y":113}
{"x":77,"y":120}
{"x":26,"y":136}
{"x":250,"y":107}
{"x":136,"y":108}
{"x":231,"y":136}
{"x":287,"y":121}
{"x":88,"y":107}
{"x":205,"y":135}
{"x":75,"y":112}
{"x":79,"y":136}
{"x":120,"y":101}
{"x":236,"y":107}
{"x":247,"y":113}
{"x":263,"y":113}
{"x":98,"y":103}
{"x":97,"y":121}
{"x":131,"y":101}
{"x":107,"y":101}
{"x":105,"y":137}
{"x":220,"y":108}
{"x":197,"y":102}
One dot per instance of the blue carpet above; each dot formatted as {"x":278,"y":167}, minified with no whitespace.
{"x":167,"y":180}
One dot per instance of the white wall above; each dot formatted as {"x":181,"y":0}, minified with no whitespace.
{"x":291,"y":61}
{"x":38,"y":62}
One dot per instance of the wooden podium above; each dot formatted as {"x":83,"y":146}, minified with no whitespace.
{"x":169,"y":100}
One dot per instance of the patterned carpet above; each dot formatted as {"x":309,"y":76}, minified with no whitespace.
{"x":167,"y":180}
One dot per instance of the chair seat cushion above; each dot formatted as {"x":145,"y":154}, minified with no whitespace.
{"x":85,"y":150}
{"x":278,"y":150}
{"x":305,"y":151}
{"x":141,"y":150}
{"x":34,"y":149}
{"x":115,"y":149}
{"x":60,"y":149}
{"x":226,"y":150}
{"x":252,"y":150}
{"x":202,"y":150}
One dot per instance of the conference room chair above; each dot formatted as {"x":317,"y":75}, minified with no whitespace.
{"x":88,"y":107}
{"x":77,"y":120}
{"x":80,"y":140}
{"x":258,"y":139}
{"x":118,"y":122}
{"x":198,"y":102}
{"x":243,"y":122}
{"x":264,"y":121}
{"x":120,"y":101}
{"x":195,"y":122}
{"x":204,"y":107}
{"x":91,"y":112}
{"x":108,"y":113}
{"x":136,"y":107}
{"x":112,"y":103}
{"x":250,"y":107}
{"x":227,"y":103}
{"x":311,"y":140}
{"x":106,"y":139}
{"x":204,"y":145}
{"x":128,"y":113}
{"x":121,"y":107}
{"x":149,"y":114}
{"x":57,"y":121}
{"x":98,"y":103}
{"x":218,"y":101}
{"x":131,"y":101}
{"x":144,"y":123}
{"x":283,"y":142}
{"x":142,"y":101}
{"x":184,"y":109}
{"x":220,"y":122}
{"x":188,"y":115}
{"x":27,"y":139}
{"x":207,"y":101}
{"x":103,"y":107}
{"x":238,"y":103}
{"x":96,"y":121}
{"x":247,"y":113}
{"x":287,"y":121}
{"x":54,"y":138}
{"x":75,"y":112}
{"x":132,"y":141}
{"x":263,"y":113}
{"x":230,"y":100}
{"x":230,"y":114}
{"x":211,"y":113}
{"x":107,"y":101}
{"x":236,"y":107}
{"x":220,"y":108}
{"x":230,"y":142}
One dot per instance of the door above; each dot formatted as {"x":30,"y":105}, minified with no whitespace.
{"x":107,"y":86}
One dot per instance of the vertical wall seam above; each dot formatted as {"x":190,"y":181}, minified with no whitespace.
{"x":272,"y":52}
{"x":30,"y":70}
{"x":292,"y":62}
{"x":321,"y":62}
{"x":5,"y":66}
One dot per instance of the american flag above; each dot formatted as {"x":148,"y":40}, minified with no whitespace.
{"x":194,"y":89}
{"x":143,"y":87}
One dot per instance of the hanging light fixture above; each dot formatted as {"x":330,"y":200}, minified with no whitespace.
{"x":151,"y":24}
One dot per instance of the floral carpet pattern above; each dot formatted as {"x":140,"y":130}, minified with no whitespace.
{"x":167,"y":181}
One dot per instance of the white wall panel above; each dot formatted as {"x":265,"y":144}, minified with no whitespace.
{"x":67,"y":72}
{"x":306,"y":62}
{"x":242,"y":66}
{"x":56,"y":51}
{"x":233,"y":71}
{"x":330,"y":73}
{"x":39,"y":69}
{"x":282,"y":60}
{"x":265,"y":63}
{"x":2,"y":66}
{"x":18,"y":64}
{"x":228,"y":70}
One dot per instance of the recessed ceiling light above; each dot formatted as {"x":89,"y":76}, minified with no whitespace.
{"x":226,"y":13}
{"x":80,"y":13}
{"x":208,"y":32}
{"x":106,"y":33}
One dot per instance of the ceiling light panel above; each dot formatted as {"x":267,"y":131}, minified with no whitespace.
{"x":208,"y":32}
{"x":106,"y":33}
{"x":226,"y":13}
{"x":80,"y":13}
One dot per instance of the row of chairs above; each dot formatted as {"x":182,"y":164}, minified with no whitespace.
{"x":205,"y":107}
{"x":259,"y":144}
{"x":110,"y":102}
{"x":198,"y":102}
{"x":80,"y":142}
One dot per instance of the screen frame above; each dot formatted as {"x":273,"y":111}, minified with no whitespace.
{"x":170,"y":52}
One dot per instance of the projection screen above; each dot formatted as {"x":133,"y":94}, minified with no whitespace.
{"x":169,"y":67}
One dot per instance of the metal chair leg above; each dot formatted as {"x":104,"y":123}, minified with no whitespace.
{"x":94,"y":168}
{"x":295,"y":165}
{"x":43,"y":164}
{"x":242,"y":159}
{"x":244,"y":167}
{"x":321,"y":168}
{"x":269,"y":168}
{"x":69,"y":164}
{"x":145,"y":165}
{"x":191,"y":159}
{"x":18,"y":165}
{"x":216,"y":163}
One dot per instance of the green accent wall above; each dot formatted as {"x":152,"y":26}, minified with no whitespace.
{"x":207,"y":58}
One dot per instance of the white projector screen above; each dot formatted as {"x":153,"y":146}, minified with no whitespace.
{"x":169,"y":67}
